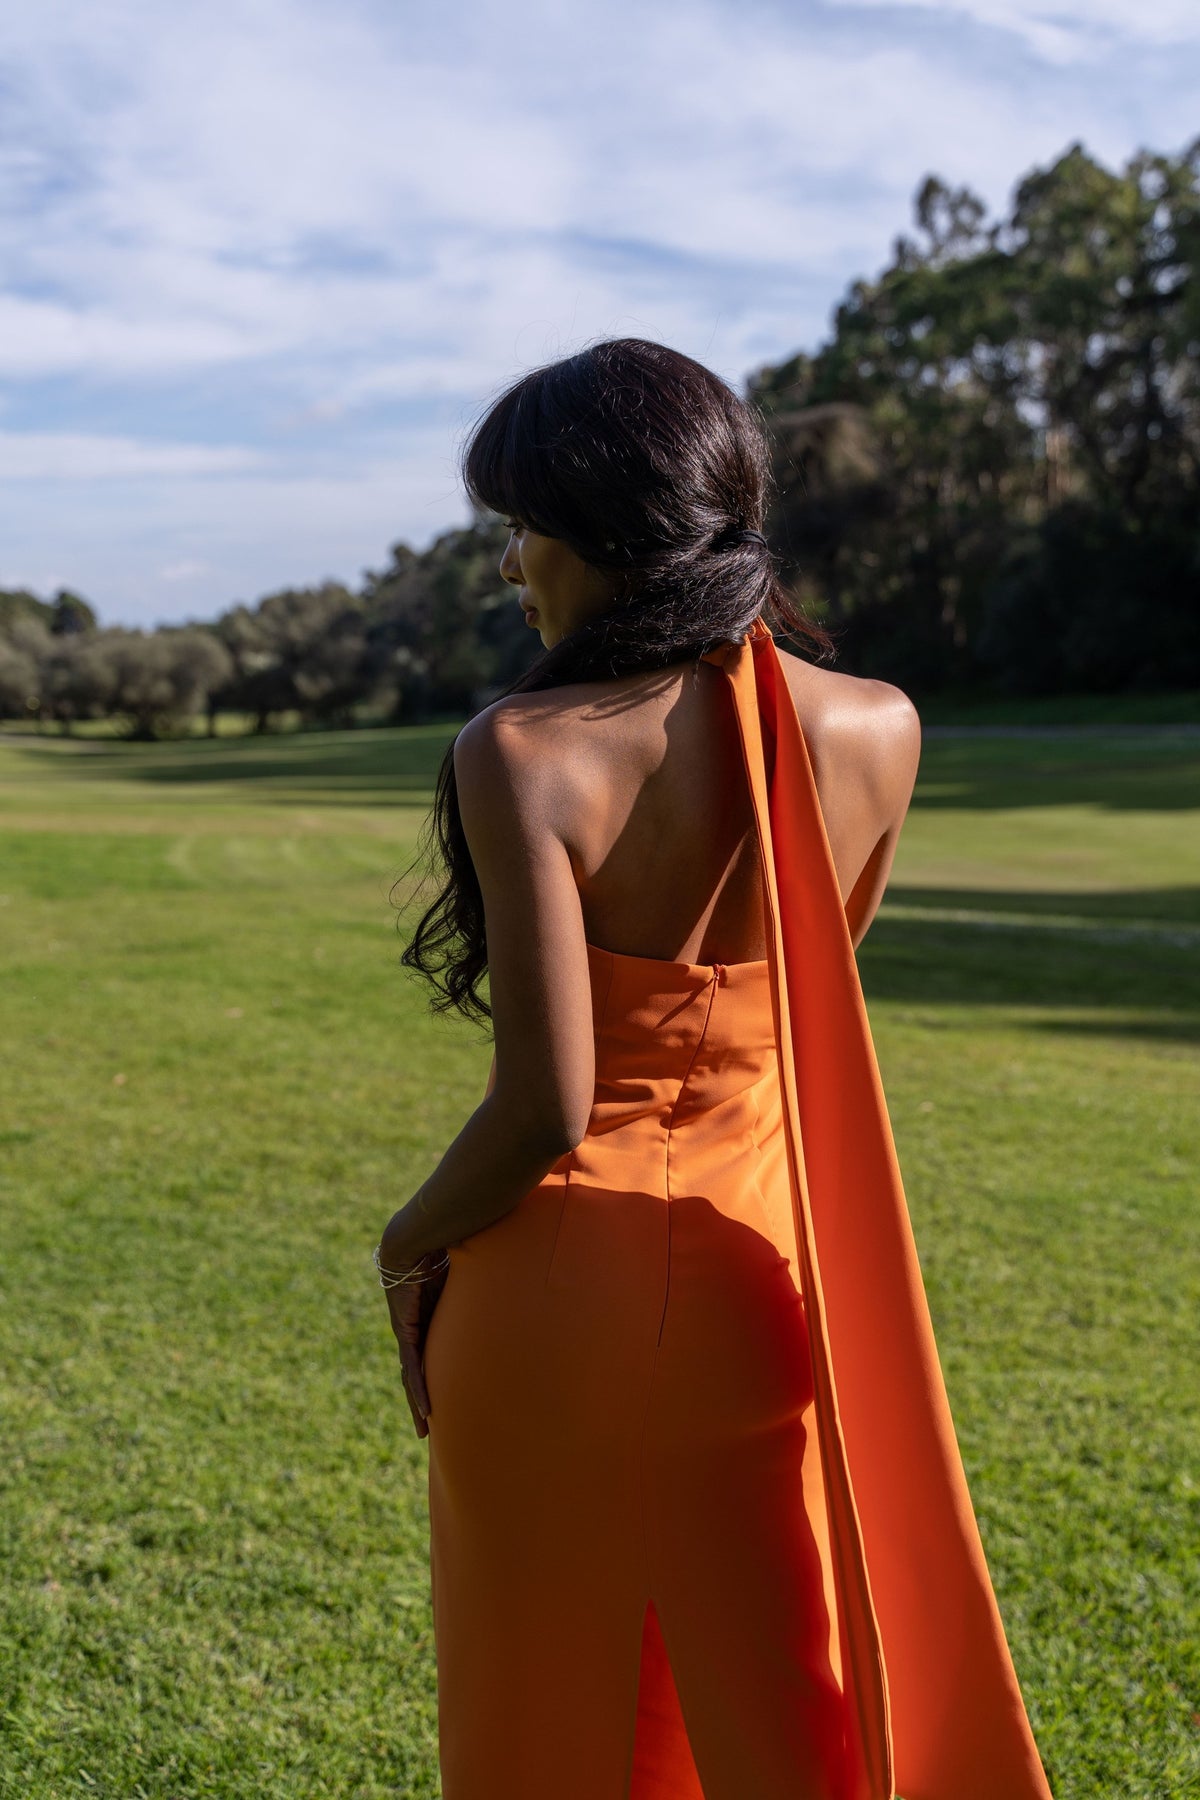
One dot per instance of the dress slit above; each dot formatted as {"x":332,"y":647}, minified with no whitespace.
{"x":663,"y":1765}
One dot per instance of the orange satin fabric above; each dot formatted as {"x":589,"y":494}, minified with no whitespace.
{"x":699,"y":1525}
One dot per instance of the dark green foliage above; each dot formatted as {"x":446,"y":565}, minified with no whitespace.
{"x":63,"y":615}
{"x":989,"y":478}
{"x":69,"y":614}
{"x":1090,"y":602}
{"x":300,"y":650}
{"x":442,"y":628}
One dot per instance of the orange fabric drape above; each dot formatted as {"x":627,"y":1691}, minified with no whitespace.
{"x":925,"y":1663}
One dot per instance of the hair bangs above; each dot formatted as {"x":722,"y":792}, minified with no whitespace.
{"x":503,"y":467}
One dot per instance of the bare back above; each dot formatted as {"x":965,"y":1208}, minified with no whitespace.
{"x":656,"y":814}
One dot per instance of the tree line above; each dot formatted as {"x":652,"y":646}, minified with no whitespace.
{"x":430,"y":634}
{"x":987,"y":481}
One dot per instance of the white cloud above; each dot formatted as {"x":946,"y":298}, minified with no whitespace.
{"x":187,"y":571}
{"x":50,"y":337}
{"x":291,"y":182}
{"x":75,"y":456}
{"x":1068,"y":30}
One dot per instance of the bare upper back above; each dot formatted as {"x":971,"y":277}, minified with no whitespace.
{"x":652,"y":800}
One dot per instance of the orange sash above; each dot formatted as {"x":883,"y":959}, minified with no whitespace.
{"x":925,"y":1664}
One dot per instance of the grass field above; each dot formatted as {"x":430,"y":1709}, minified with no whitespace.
{"x":217,"y":1084}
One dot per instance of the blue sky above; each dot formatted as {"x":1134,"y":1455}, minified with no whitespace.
{"x":265,"y":259}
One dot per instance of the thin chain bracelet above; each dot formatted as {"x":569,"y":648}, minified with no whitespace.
{"x":390,"y":1278}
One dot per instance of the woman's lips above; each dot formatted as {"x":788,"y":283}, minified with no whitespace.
{"x":530,"y":614}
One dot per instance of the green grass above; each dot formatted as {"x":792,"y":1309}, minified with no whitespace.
{"x":1092,"y":710}
{"x":217,"y":1083}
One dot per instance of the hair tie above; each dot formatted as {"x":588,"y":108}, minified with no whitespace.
{"x":725,"y":540}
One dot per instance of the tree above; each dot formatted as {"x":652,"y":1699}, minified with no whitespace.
{"x":301,"y":649}
{"x":70,"y":614}
{"x":24,"y":644}
{"x":1108,"y":317}
{"x":441,"y":625}
{"x":78,"y":678}
{"x":162,"y":678}
{"x":993,"y":374}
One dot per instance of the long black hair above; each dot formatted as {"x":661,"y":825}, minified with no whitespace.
{"x":652,"y":470}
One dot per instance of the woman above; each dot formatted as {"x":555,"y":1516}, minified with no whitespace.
{"x":699,"y":1528}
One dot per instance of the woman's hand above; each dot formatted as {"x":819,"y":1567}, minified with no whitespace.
{"x":410,"y":1308}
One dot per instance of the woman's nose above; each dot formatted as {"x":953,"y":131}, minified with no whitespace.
{"x":510,"y":566}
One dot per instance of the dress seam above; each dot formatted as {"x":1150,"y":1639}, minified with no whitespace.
{"x":712,"y":987}
{"x":711,"y":984}
{"x":686,"y":1077}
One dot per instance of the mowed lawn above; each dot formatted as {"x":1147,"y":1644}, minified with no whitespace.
{"x":217,"y":1083}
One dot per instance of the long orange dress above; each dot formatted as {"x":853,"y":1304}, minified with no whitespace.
{"x":699,"y":1525}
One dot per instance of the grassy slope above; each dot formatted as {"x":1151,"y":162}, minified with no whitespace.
{"x":217,"y":1084}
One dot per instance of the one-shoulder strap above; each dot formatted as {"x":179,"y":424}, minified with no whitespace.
{"x":925,"y":1664}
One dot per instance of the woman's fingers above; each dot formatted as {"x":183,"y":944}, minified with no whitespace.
{"x":404,"y":1307}
{"x":417,"y":1406}
{"x":414,"y":1379}
{"x":410,"y":1308}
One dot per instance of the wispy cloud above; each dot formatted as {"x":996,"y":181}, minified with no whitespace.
{"x":187,"y":571}
{"x":74,"y":456}
{"x":263,"y":263}
{"x":1068,"y":30}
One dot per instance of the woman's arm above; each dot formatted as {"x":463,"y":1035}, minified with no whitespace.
{"x":514,"y":791}
{"x":893,"y":751}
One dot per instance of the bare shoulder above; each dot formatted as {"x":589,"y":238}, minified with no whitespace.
{"x":858,"y":726}
{"x":505,"y":754}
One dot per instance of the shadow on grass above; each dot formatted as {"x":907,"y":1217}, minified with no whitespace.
{"x":349,"y":765}
{"x":1137,"y":953}
{"x":1135,"y":772}
{"x":1136,"y":911}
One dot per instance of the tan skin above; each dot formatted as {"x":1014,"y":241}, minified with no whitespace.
{"x":612,"y":812}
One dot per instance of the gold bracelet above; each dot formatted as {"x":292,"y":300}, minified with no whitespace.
{"x":390,"y":1278}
